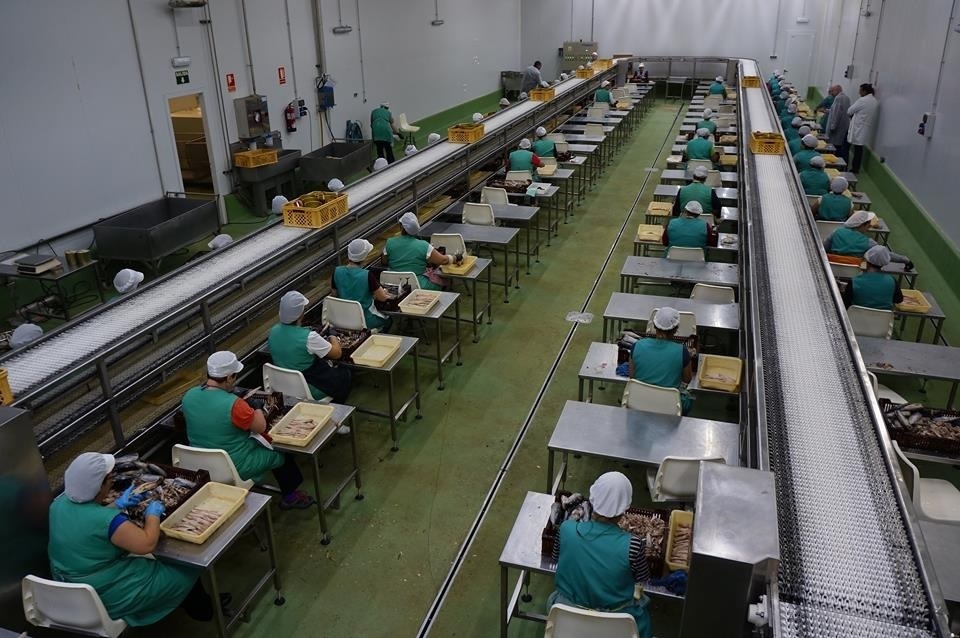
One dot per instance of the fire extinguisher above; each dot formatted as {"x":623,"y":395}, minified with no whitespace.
{"x":290,"y":115}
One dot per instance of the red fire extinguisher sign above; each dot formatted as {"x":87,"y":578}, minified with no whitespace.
{"x":282,"y":75}
{"x":231,"y":82}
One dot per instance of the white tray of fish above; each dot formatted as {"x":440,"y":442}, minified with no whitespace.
{"x":203,"y":513}
{"x":301,"y":424}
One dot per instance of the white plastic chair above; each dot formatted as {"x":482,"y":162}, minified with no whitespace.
{"x":556,"y":137}
{"x":694,"y":163}
{"x":594,"y":111}
{"x":844,"y":270}
{"x":519,"y":176}
{"x":548,"y":161}
{"x":217,"y":462}
{"x":290,"y":382}
{"x":679,"y":253}
{"x":478,"y":214}
{"x":726,"y":109}
{"x":686,"y":328}
{"x":713,"y":179}
{"x":676,"y":478}
{"x":344,"y":313}
{"x":651,"y":398}
{"x":451,"y":242}
{"x":565,"y":621}
{"x":594,"y":129}
{"x":399,"y":278}
{"x":407,"y":129}
{"x":935,"y":499}
{"x":490,"y":195}
{"x":883,"y":392}
{"x":605,"y":106}
{"x":561,"y":147}
{"x":825,"y":228}
{"x":713,"y":294}
{"x":871,"y":322}
{"x":73,"y":607}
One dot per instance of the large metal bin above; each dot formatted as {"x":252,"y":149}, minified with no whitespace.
{"x":338,"y":159}
{"x":150,"y":232}
{"x":287,"y":159}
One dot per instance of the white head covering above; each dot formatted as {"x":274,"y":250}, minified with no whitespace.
{"x":477,"y":117}
{"x":667,"y":318}
{"x":525,"y":144}
{"x":784,"y":95}
{"x":817,"y":161}
{"x":604,"y":84}
{"x":85,"y":474}
{"x":25,"y":333}
{"x":838,"y":185}
{"x":410,"y":150}
{"x":433,"y":138}
{"x":792,"y":109}
{"x":878,"y":256}
{"x":594,"y":55}
{"x":379,"y":164}
{"x":522,"y":96}
{"x":693,"y":207}
{"x":611,"y":494}
{"x":335,"y":185}
{"x":719,"y":78}
{"x":220,"y":241}
{"x":277,"y":204}
{"x":859,"y":218}
{"x":810,"y":141}
{"x":292,"y":304}
{"x":580,"y":68}
{"x":127,"y":280}
{"x":563,"y":76}
{"x":707,"y":113}
{"x":504,"y":102}
{"x":700,"y":172}
{"x":776,"y":72}
{"x":410,"y":223}
{"x":589,"y":65}
{"x":703,"y":132}
{"x":223,"y":364}
{"x":803,"y":130}
{"x":796,"y":122}
{"x":358,"y":249}
{"x":385,"y":105}
{"x":540,"y":131}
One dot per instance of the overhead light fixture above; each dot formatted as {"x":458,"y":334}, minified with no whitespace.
{"x":436,"y":22}
{"x":343,"y":28}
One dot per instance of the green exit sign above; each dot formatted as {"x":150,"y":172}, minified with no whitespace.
{"x":183,"y":76}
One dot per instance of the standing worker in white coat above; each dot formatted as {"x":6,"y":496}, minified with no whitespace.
{"x":531,"y":77}
{"x":863,"y":113}
{"x":838,"y":122}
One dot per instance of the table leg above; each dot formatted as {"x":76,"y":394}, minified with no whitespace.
{"x":416,"y":379}
{"x":921,"y":323}
{"x":356,"y":457}
{"x":953,"y":395}
{"x":456,"y":323}
{"x":938,"y":330}
{"x":580,"y":389}
{"x":474,"y":320}
{"x":504,"y":612}
{"x":439,"y":356}
{"x":214,"y":590}
{"x":516,"y":262}
{"x":393,"y":416}
{"x":325,"y":536}
{"x":489,"y":296}
{"x":550,"y":460}
{"x":528,"y":247}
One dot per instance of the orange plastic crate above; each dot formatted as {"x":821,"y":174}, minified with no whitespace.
{"x":465,"y":133}
{"x":315,"y":210}
{"x":766,"y":143}
{"x":750,"y":82}
{"x":585,"y":74}
{"x":253,"y":159}
{"x":542,"y":95}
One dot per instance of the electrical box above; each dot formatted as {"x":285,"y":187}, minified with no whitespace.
{"x":927,"y":120}
{"x":325,"y":97}
{"x":253,"y":116}
{"x":576,"y":53}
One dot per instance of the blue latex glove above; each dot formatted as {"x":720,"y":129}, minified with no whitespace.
{"x":128,"y":499}
{"x":155,"y":508}
{"x":623,"y":369}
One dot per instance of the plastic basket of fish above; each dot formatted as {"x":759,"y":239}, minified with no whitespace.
{"x":302,"y":424}
{"x":203,"y":513}
{"x":376,"y":350}
{"x":315,"y":209}
{"x":679,"y":541}
{"x":6,"y":395}
{"x":465,"y":133}
{"x":419,"y":302}
{"x":255,"y":158}
{"x":649,"y":233}
{"x":750,"y":82}
{"x":172,"y":485}
{"x":915,"y":427}
{"x":585,"y":74}
{"x":720,"y":373}
{"x":766,"y":143}
{"x":913,"y":301}
{"x":462,"y":268}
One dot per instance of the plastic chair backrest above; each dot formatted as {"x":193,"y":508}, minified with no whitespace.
{"x":402,"y":120}
{"x":911,"y":475}
{"x":726,"y":109}
{"x":399,"y":278}
{"x":344,"y":313}
{"x":71,"y":606}
{"x":638,"y":395}
{"x":561,"y":147}
{"x":549,"y":161}
{"x":594,"y":111}
{"x":825,"y":228}
{"x":677,"y":477}
{"x":519,"y":176}
{"x":594,"y":129}
{"x":605,"y":106}
{"x":290,"y":382}
{"x":713,"y":294}
{"x":712,"y":102}
{"x":679,"y":253}
{"x":694,"y":163}
{"x":686,"y":328}
{"x":490,"y":195}
{"x":725,"y":121}
{"x":478,"y":214}
{"x":217,"y":462}
{"x":405,"y":126}
{"x":844,"y":270}
{"x":556,"y":137}
{"x":871,"y":322}
{"x":452,"y":242}
{"x":713,"y":179}
{"x":565,"y":621}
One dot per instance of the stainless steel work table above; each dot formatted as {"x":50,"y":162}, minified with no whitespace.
{"x":603,"y":153}
{"x":614,"y":131}
{"x":668,"y":193}
{"x":935,"y":316}
{"x":341,"y":414}
{"x":436,"y":316}
{"x":624,"y":306}
{"x":494,"y":236}
{"x":727,"y":244}
{"x":942,"y":540}
{"x":678,"y":149}
{"x":564,"y":177}
{"x":899,"y":271}
{"x":482,"y":264}
{"x":589,"y":152}
{"x":681,"y":272}
{"x":621,"y":434}
{"x":527,"y":216}
{"x":408,"y":345}
{"x":906,"y":358}
{"x":206,"y":556}
{"x":676,"y":81}
{"x":679,"y":177}
{"x":546,"y":192}
{"x":861,"y":201}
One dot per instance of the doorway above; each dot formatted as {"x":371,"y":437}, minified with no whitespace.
{"x":193,"y":152}
{"x":799,"y":58}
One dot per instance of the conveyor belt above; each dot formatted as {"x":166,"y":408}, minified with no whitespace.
{"x":849,"y":566}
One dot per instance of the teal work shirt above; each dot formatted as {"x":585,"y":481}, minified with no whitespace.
{"x":791,"y":135}
{"x":139,"y":590}
{"x":825,"y":103}
{"x":834,"y":208}
{"x":380,"y":125}
{"x":288,"y":349}
{"x":700,"y":148}
{"x":521,"y":160}
{"x":658,"y":362}
{"x":814,"y":181}
{"x":602,"y":95}
{"x":874,"y":290}
{"x":786,"y":119}
{"x":687,"y":232}
{"x":848,"y":241}
{"x":696,"y":191}
{"x":353,"y":284}
{"x":409,"y":254}
{"x":593,"y":569}
{"x":795,"y":144}
{"x":717,"y":89}
{"x":543,"y":148}
{"x":802,"y":158}
{"x":710,"y":125}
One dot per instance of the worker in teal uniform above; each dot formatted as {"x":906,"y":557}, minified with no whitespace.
{"x":543,"y":147}
{"x":698,"y":191}
{"x":780,"y":103}
{"x":523,"y":159}
{"x":409,"y":253}
{"x":297,"y":347}
{"x":874,"y":288}
{"x":774,"y":81}
{"x":598,"y":563}
{"x":603,"y":93}
{"x":98,"y":545}
{"x":795,"y":144}
{"x":717,"y":88}
{"x":793,"y":131}
{"x":218,"y":419}
{"x":801,"y":159}
{"x":852,"y":239}
{"x":701,"y":147}
{"x":707,"y":122}
{"x":689,"y":230}
{"x":834,"y":206}
{"x":787,"y":118}
{"x":661,"y":361}
{"x":824,"y":106}
{"x":356,"y":283}
{"x":383,"y":130}
{"x":814,"y":178}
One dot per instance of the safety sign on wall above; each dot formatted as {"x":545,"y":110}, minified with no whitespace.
{"x":183,"y":76}
{"x":282,"y":75}
{"x":231,"y":82}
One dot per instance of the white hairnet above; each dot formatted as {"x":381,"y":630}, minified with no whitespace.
{"x":85,"y":475}
{"x":838,"y":185}
{"x":220,"y":241}
{"x":796,"y":122}
{"x":504,"y":102}
{"x":776,"y":72}
{"x":719,"y":78}
{"x":611,"y":494}
{"x":522,"y":96}
{"x":563,"y":76}
{"x":792,"y":109}
{"x":223,"y":364}
{"x":540,"y":131}
{"x":803,"y":130}
{"x":433,"y":138}
{"x":277,"y":204}
{"x":707,"y":112}
{"x":810,"y":141}
{"x":784,"y":95}
{"x":358,"y":249}
{"x":127,"y":280}
{"x":604,"y":84}
{"x":525,"y":144}
{"x":410,"y":150}
{"x":410,"y":223}
{"x":878,"y":256}
{"x":580,"y":68}
{"x":859,"y":218}
{"x":379,"y":164}
{"x":25,"y":333}
{"x":703,"y":132}
{"x":292,"y":304}
{"x":385,"y":105}
{"x":477,"y":117}
{"x":666,"y":318}
{"x":700,"y":172}
{"x":335,"y":185}
{"x":694,"y":207}
{"x":817,"y":161}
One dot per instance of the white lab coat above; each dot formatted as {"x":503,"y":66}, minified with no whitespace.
{"x":862,"y":113}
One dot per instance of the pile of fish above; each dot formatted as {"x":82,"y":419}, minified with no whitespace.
{"x":573,"y":507}
{"x":197,"y":521}
{"x":295,"y":428}
{"x":650,"y":528}
{"x":680,"y":550}
{"x":148,"y":479}
{"x":919,"y":421}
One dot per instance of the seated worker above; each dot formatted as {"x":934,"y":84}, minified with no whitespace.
{"x":793,"y":133}
{"x":662,"y":361}
{"x":834,"y":206}
{"x":523,"y":159}
{"x":789,"y":114}
{"x":874,"y":289}
{"x":297,"y":347}
{"x":717,"y":88}
{"x":640,"y":75}
{"x":504,"y":103}
{"x":688,"y":230}
{"x":701,"y":147}
{"x":409,"y":253}
{"x":698,"y":191}
{"x":603,"y":93}
{"x":707,"y":122}
{"x":379,"y":164}
{"x":796,"y":144}
{"x":780,"y":102}
{"x":356,"y":283}
{"x":543,"y":147}
{"x":598,"y":563}
{"x":852,"y":239}
{"x":94,"y":544}
{"x":219,"y":419}
{"x":802,"y":157}
{"x":814,"y":179}
{"x":24,"y":334}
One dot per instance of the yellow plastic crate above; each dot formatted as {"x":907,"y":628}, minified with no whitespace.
{"x":319,"y":412}
{"x":585,"y":74}
{"x":224,"y":499}
{"x":465,"y":266}
{"x":830,"y":158}
{"x":717,"y":372}
{"x":649,"y":233}
{"x":750,"y":82}
{"x":467,"y":133}
{"x":547,"y":170}
{"x":913,"y":301}
{"x":678,"y":518}
{"x":766,"y":143}
{"x":542,"y":95}
{"x":253,"y":159}
{"x":6,"y":395}
{"x":315,"y":209}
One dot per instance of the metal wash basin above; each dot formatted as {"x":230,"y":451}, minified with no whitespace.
{"x":338,"y":159}
{"x":286,"y":161}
